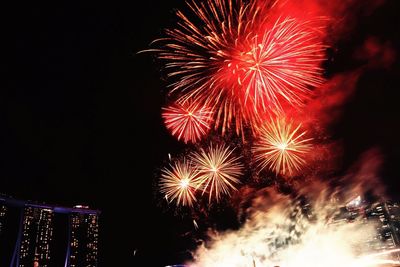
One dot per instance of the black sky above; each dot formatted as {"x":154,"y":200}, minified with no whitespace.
{"x":80,"y":115}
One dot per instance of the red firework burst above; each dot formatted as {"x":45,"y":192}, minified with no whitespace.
{"x":281,"y":66}
{"x":187,"y":121}
{"x":237,"y":61}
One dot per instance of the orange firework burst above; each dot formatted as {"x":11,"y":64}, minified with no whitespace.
{"x":240,"y":61}
{"x":187,"y":121}
{"x":177,"y":183}
{"x":218,"y":170}
{"x":281,"y":147}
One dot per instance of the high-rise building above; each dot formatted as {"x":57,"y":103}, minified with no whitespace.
{"x":3,"y":211}
{"x":36,"y":237}
{"x":84,"y":240}
{"x":41,"y":235}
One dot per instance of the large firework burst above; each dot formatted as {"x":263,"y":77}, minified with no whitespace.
{"x":177,"y":183}
{"x":187,"y":121}
{"x":281,"y":147}
{"x":218,"y":170}
{"x":231,"y":57}
{"x":280,"y":66}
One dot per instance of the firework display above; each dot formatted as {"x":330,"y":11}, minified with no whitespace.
{"x":177,"y":183}
{"x":233,"y":65}
{"x":234,"y":58}
{"x":244,"y":72}
{"x":281,"y":147}
{"x":218,"y":170}
{"x":187,"y":121}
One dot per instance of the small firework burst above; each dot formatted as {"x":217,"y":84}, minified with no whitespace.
{"x":281,"y":147}
{"x":218,"y":170}
{"x":177,"y":183}
{"x":187,"y":121}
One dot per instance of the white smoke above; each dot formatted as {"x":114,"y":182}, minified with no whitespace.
{"x":288,"y":234}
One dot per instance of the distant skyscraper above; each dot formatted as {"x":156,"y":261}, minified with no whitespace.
{"x":3,"y":210}
{"x":84,"y":240}
{"x":27,"y":230}
{"x":36,"y":237}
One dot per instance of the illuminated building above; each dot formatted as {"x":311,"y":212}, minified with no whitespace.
{"x":84,"y":240}
{"x":3,"y":210}
{"x":36,"y":237}
{"x":42,"y":235}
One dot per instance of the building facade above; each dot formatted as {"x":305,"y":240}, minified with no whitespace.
{"x":36,"y":236}
{"x":84,"y":240}
{"x":31,"y":230}
{"x":3,"y":211}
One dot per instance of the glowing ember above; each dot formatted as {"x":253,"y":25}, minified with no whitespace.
{"x":185,"y":183}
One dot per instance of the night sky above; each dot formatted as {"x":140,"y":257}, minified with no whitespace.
{"x":81,"y":124}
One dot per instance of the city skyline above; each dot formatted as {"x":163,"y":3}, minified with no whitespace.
{"x":30,"y":227}
{"x":81,"y":120}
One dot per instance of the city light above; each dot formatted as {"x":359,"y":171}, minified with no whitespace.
{"x":33,"y":234}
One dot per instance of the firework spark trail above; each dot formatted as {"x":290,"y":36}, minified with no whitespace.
{"x":218,"y":170}
{"x":187,"y":121}
{"x":281,"y":147}
{"x":177,"y":183}
{"x":231,"y":58}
